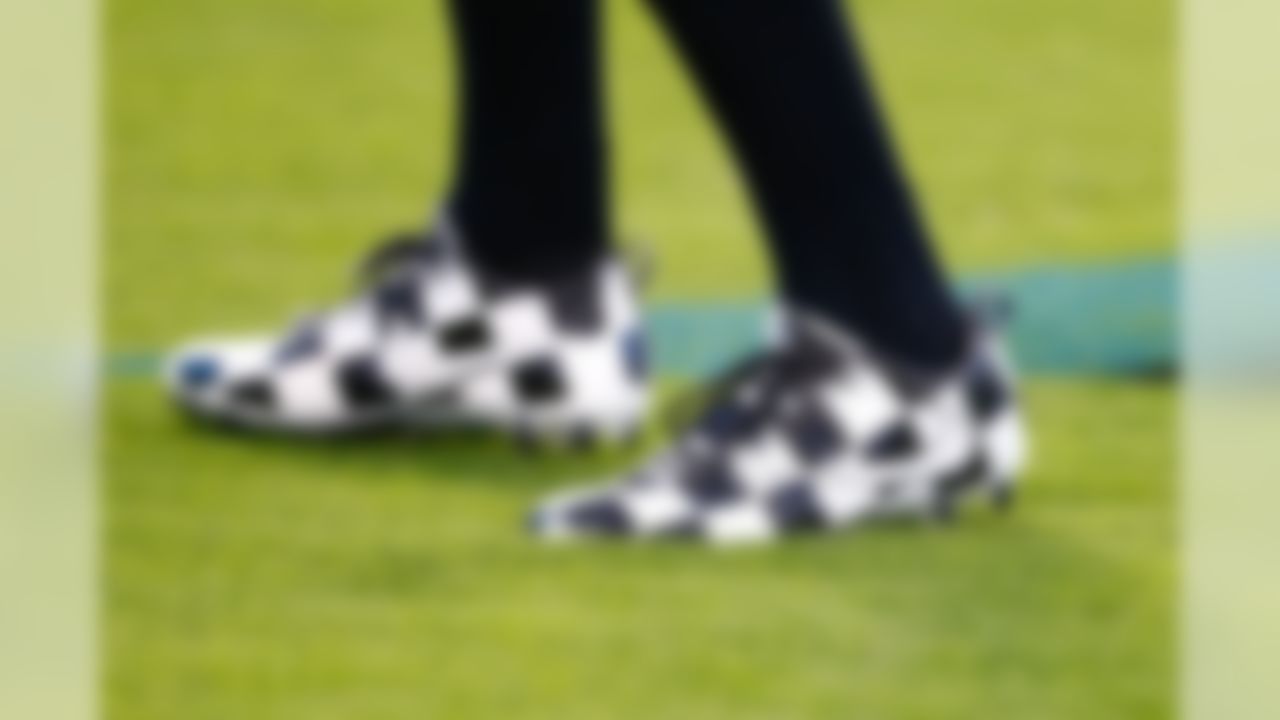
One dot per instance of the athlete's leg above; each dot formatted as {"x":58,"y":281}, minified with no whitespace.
{"x":532,"y":190}
{"x":786,"y":80}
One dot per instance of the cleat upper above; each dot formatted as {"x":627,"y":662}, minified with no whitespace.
{"x":431,"y":339}
{"x":817,"y":434}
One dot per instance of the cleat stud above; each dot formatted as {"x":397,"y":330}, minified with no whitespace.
{"x":631,"y":438}
{"x":943,"y":510}
{"x":529,"y":442}
{"x":583,"y":439}
{"x":1003,"y":498}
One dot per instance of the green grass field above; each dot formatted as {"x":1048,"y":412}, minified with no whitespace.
{"x":255,"y":147}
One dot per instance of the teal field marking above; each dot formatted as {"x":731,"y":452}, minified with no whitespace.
{"x":1107,"y":320}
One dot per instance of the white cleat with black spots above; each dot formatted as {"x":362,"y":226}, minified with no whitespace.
{"x":819,"y":434}
{"x":432,"y":341}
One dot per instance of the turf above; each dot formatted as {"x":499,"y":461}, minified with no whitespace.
{"x":253,"y":149}
{"x":391,"y":579}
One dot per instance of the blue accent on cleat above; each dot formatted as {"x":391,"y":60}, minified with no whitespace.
{"x":636,"y":352}
{"x":198,"y":373}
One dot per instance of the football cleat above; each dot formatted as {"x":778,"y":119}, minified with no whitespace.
{"x":818,"y":433}
{"x":431,"y":340}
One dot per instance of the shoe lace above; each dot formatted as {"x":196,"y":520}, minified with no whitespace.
{"x":399,"y":253}
{"x":766,"y":378}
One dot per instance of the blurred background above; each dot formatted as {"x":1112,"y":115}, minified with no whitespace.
{"x":256,"y":148}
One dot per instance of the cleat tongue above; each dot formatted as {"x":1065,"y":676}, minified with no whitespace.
{"x":402,"y":252}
